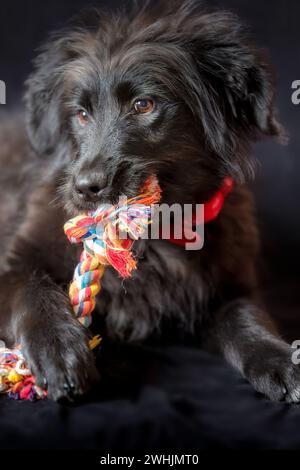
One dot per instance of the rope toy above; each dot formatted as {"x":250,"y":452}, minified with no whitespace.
{"x":107,"y":235}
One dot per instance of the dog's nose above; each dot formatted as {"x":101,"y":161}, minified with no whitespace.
{"x":90,"y":187}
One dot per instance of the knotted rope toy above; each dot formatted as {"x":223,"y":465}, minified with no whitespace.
{"x":107,"y":235}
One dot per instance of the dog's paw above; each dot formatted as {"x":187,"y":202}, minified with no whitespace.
{"x":272,"y":373}
{"x":72,"y":377}
{"x":62,"y":364}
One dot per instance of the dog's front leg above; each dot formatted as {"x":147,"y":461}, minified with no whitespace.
{"x":53,"y":342}
{"x":246,"y":337}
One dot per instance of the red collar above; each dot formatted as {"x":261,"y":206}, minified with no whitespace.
{"x":212,"y":209}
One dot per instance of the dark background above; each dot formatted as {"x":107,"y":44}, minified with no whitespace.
{"x":274,"y":25}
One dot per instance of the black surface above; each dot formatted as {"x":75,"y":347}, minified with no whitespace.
{"x":177,"y":397}
{"x":164,"y":400}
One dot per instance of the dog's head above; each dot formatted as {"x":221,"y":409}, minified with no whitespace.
{"x":172,"y":90}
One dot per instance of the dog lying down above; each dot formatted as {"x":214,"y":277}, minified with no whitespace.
{"x":168,"y":89}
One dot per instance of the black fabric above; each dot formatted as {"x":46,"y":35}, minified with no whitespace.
{"x":176,"y":398}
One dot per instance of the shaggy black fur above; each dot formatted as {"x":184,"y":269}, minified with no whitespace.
{"x":212,"y":96}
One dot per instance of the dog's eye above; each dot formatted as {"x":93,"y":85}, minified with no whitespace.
{"x":144,"y":106}
{"x":83,"y":117}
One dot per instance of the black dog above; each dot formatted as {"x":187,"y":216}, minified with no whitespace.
{"x":170,"y":90}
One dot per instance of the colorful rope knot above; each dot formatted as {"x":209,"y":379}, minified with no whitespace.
{"x":107,"y":235}
{"x":15,"y":378}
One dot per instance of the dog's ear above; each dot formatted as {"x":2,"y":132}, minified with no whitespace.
{"x":46,"y":122}
{"x":232,"y":86}
{"x":43,"y":94}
